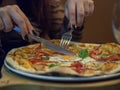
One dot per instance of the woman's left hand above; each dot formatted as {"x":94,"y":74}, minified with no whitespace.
{"x":77,"y":10}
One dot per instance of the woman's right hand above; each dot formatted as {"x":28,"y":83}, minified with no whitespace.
{"x":11,"y":16}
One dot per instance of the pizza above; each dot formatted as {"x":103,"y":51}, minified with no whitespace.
{"x":90,"y":59}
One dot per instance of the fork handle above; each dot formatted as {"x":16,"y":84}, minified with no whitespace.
{"x":73,"y":27}
{"x":77,"y":34}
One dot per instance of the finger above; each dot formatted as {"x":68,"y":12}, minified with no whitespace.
{"x":80,"y":13}
{"x":86,"y":8}
{"x":91,"y":6}
{"x":1,"y":24}
{"x":72,"y":12}
{"x":18,"y":20}
{"x":8,"y":25}
{"x":28,"y":24}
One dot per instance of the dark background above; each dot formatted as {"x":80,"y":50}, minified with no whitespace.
{"x":98,"y":27}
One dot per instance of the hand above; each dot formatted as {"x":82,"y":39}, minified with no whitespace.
{"x":11,"y":16}
{"x":77,"y":10}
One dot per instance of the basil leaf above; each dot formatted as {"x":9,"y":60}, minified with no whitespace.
{"x":103,"y":56}
{"x":46,"y":57}
{"x":83,"y":53}
{"x":53,"y":65}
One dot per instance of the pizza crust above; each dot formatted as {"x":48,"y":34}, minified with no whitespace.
{"x":90,"y":72}
{"x":111,"y":67}
{"x":15,"y":65}
{"x":63,"y":70}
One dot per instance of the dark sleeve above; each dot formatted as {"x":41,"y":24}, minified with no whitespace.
{"x":25,"y":6}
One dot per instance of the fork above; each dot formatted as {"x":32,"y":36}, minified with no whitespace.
{"x":66,"y":37}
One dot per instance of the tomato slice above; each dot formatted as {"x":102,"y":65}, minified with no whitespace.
{"x":77,"y":66}
{"x":33,"y":61}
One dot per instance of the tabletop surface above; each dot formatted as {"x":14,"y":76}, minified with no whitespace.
{"x":9,"y":78}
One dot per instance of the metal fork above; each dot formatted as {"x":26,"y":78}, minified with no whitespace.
{"x":66,"y":37}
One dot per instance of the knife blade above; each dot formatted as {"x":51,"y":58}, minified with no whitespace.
{"x":51,"y":45}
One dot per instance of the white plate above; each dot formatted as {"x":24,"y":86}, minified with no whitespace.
{"x":59,"y":78}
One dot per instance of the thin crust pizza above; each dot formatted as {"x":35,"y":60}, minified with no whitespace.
{"x":89,"y":59}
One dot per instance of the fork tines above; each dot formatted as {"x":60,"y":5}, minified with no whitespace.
{"x":66,"y":37}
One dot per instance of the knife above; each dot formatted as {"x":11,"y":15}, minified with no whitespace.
{"x":51,"y":45}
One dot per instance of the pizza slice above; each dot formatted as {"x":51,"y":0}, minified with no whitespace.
{"x":90,"y":59}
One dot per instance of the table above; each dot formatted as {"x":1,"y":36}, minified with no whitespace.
{"x":11,"y":81}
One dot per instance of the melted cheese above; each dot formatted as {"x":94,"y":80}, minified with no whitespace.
{"x":65,"y":58}
{"x":24,"y":63}
{"x":87,"y":59}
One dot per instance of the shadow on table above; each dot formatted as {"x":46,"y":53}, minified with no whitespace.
{"x":37,"y":87}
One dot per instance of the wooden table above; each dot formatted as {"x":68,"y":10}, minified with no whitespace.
{"x":11,"y":81}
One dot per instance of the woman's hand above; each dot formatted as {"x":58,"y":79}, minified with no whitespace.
{"x":11,"y":16}
{"x":77,"y":10}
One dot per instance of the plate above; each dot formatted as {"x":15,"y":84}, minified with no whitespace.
{"x":61,"y":78}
